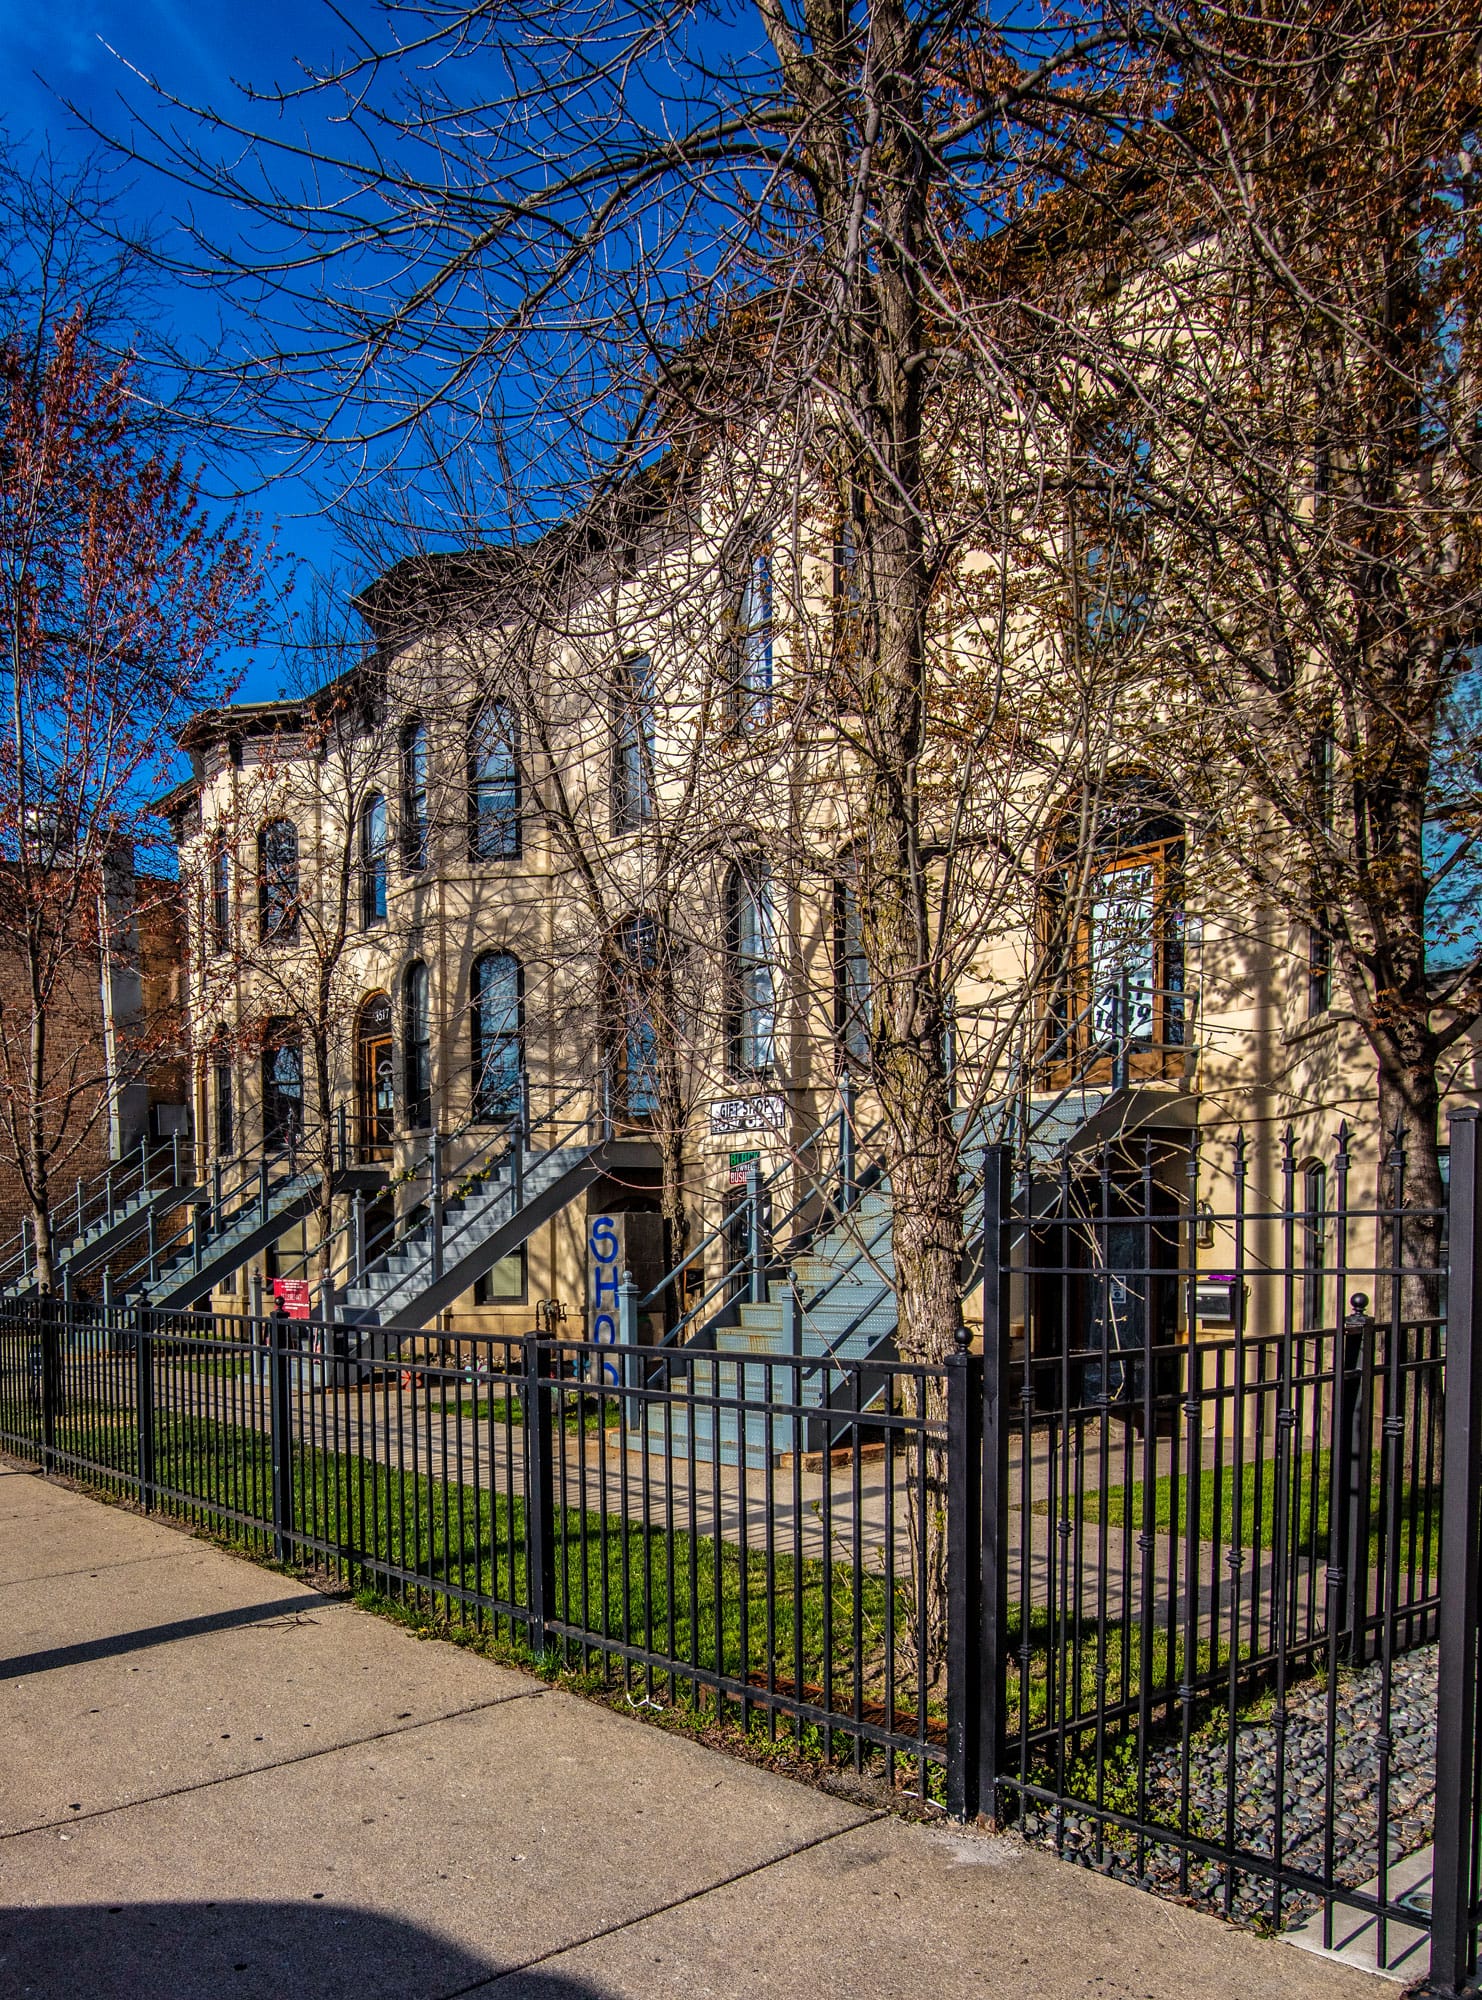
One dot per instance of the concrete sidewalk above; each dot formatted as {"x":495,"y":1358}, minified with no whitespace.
{"x":215,"y":1782}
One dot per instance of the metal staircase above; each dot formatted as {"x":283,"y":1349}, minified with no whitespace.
{"x":498,"y":1198}
{"x":103,"y":1216}
{"x":830,"y":1306}
{"x":825,"y":1304}
{"x":225,"y":1227}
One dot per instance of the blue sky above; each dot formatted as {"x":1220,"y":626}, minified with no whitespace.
{"x":54,"y":51}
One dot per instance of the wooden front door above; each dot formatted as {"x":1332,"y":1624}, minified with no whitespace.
{"x":375,"y":1080}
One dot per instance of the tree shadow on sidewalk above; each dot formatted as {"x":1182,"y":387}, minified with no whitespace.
{"x":247,"y":1951}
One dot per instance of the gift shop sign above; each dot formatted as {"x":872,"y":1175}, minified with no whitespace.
{"x":747,"y":1114}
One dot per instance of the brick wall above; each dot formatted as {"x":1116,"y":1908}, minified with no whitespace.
{"x":147,"y":977}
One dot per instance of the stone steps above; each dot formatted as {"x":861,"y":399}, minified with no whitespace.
{"x":393,"y":1282}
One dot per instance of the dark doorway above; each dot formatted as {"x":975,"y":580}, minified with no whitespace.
{"x":375,"y":1082}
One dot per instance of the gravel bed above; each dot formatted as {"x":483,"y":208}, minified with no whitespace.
{"x":1412,"y":1766}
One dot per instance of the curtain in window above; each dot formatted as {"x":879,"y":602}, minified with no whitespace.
{"x":277,"y":875}
{"x":414,"y":795}
{"x":221,"y":1075}
{"x":633,"y":746}
{"x":1123,"y":952}
{"x":751,"y":690}
{"x":373,"y":841}
{"x":851,"y":978}
{"x":638,"y":1043}
{"x":282,"y":1090}
{"x":753,"y":958}
{"x":221,"y":900}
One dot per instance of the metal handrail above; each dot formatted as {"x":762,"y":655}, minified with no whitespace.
{"x":974,"y":1181}
{"x":866,"y":1250}
{"x":103,"y":1198}
{"x":853,"y":1192}
{"x":424,"y":1161}
{"x":511,"y":1139}
{"x":226,"y":1207}
{"x":705,"y":1241}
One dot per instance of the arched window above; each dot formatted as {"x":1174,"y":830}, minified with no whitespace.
{"x":282,"y":1086}
{"x":495,"y":994}
{"x":414,"y":795}
{"x":1116,"y":933}
{"x":373,"y":843}
{"x":221,"y":899}
{"x":636,"y":1042}
{"x":277,"y":881}
{"x":493,"y":784}
{"x":417,"y":1043}
{"x":751,"y":667}
{"x":221,"y":1090}
{"x":633,"y":745}
{"x":751,"y":939}
{"x":851,"y":976}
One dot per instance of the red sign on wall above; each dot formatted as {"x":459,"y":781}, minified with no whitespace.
{"x":294,"y":1292}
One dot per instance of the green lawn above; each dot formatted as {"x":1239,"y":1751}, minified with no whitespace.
{"x":693,"y":1599}
{"x":1119,"y":1504}
{"x":508,"y":1409}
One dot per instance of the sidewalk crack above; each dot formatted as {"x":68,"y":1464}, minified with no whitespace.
{"x":496,"y":1979}
{"x":277,"y":1764}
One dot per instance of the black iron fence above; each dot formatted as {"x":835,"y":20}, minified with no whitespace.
{"x":1176,"y":1567}
{"x":1214,"y":1462}
{"x":697,"y":1532}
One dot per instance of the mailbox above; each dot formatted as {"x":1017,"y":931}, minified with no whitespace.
{"x":1217,"y":1299}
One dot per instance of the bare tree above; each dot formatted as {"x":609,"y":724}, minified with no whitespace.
{"x":118,"y":596}
{"x":1270,"y":314}
{"x":644,"y":239}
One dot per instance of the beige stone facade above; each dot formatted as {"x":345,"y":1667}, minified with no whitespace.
{"x":484,"y":870}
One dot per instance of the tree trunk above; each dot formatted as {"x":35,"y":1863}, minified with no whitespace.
{"x":41,"y":1239}
{"x":1409,"y":1169}
{"x":37,"y":1174}
{"x":886,"y":373}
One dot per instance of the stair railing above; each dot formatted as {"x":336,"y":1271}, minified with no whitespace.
{"x":849,"y":1193}
{"x":974,"y":1186}
{"x":435,"y":1202}
{"x":96,"y":1203}
{"x":208,"y":1221}
{"x":506,"y":1148}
